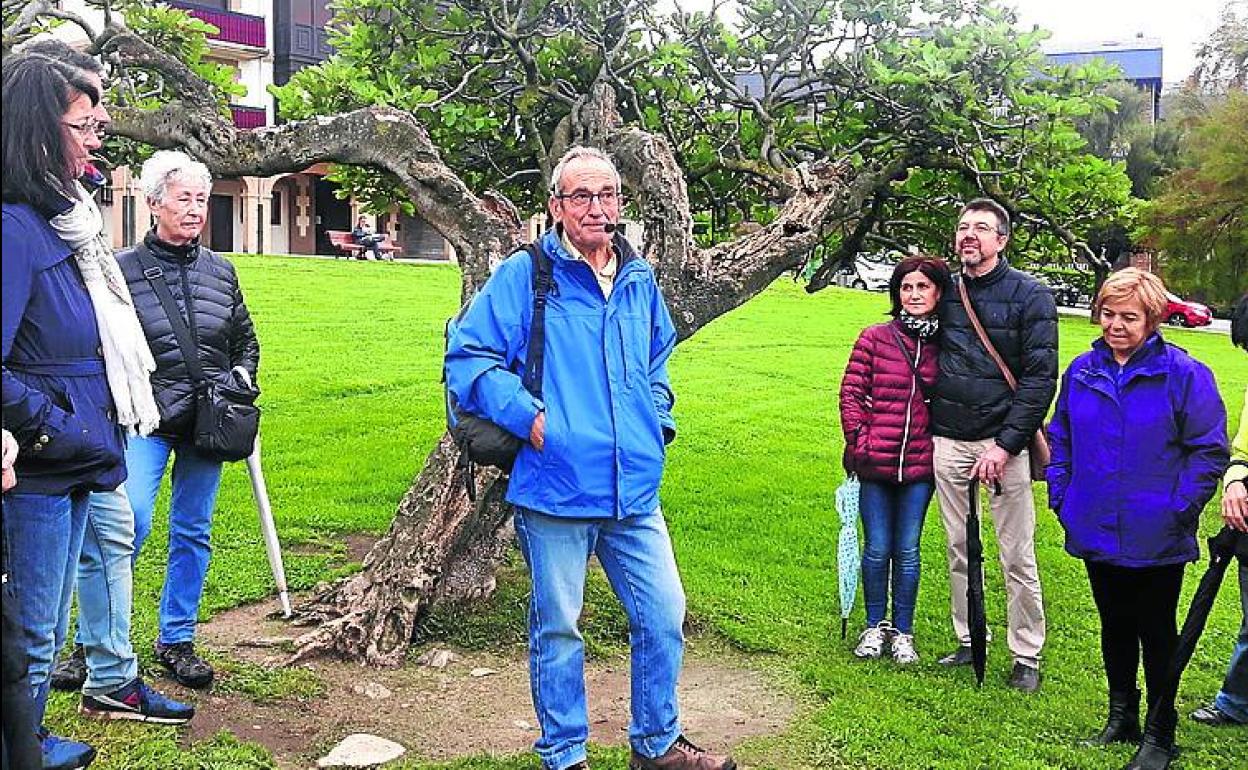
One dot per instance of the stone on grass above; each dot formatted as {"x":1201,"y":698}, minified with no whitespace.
{"x":372,"y":690}
{"x":436,"y":658}
{"x":480,"y":672}
{"x":361,"y":750}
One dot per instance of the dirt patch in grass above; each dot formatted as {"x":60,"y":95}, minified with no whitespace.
{"x":458,"y":710}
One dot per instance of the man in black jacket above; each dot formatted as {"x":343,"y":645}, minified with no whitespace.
{"x":982,"y":426}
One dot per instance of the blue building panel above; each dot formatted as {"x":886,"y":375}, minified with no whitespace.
{"x":1136,"y":64}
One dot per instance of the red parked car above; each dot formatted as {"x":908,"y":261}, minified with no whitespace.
{"x":1182,"y":312}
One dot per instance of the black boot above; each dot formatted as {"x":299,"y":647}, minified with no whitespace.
{"x":1157,"y":748}
{"x":1123,"y":724}
{"x":1154,"y":753}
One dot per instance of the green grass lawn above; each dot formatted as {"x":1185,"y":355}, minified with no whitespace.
{"x":350,"y":377}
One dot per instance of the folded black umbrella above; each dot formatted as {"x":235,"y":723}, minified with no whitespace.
{"x":1223,"y":548}
{"x":976,"y":617}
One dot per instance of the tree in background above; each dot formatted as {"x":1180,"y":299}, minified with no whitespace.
{"x":1222,"y":60}
{"x":1196,"y":219}
{"x":820,"y":122}
{"x":1200,"y":220}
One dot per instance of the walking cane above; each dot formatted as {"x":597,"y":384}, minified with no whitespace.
{"x":267,"y":526}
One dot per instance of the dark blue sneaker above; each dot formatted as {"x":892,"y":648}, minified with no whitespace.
{"x":64,"y":754}
{"x":137,"y":702}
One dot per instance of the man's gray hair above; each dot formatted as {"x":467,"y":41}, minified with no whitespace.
{"x":992,"y":207}
{"x":577,"y":153}
{"x":166,"y":165}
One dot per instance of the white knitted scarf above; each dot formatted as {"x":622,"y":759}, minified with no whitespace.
{"x":128,"y":360}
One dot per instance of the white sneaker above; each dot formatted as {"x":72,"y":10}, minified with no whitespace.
{"x":903,"y":649}
{"x":871,"y":642}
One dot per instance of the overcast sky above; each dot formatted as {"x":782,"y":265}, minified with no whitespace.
{"x":1181,"y":25}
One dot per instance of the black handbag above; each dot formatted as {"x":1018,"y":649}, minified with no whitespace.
{"x":227,"y":419}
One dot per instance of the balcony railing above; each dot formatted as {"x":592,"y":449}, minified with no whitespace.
{"x":240,"y":28}
{"x":248,"y":117}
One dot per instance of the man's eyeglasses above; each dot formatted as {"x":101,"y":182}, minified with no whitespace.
{"x":88,"y":127}
{"x":582,"y":200}
{"x":980,"y":228}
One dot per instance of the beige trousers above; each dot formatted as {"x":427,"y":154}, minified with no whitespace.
{"x":1014,"y":517}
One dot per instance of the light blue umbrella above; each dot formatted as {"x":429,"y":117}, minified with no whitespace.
{"x":848,"y":560}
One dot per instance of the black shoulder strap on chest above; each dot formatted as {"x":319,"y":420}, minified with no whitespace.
{"x":543,"y":283}
{"x":155,"y":276}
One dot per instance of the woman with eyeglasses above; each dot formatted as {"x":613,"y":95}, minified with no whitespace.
{"x":69,"y":354}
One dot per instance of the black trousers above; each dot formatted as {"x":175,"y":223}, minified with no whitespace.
{"x":1137,"y":606}
{"x":19,"y":748}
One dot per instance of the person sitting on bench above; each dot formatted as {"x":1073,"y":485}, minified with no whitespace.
{"x":364,"y":235}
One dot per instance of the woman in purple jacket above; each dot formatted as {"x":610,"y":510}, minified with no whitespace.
{"x":888,"y":443}
{"x":1139,"y":442}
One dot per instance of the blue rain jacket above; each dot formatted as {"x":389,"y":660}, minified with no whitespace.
{"x":605,"y":387}
{"x":1137,"y":452}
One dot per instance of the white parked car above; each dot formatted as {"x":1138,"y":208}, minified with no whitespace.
{"x":869,"y":271}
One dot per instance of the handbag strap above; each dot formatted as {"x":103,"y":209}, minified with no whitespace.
{"x":983,"y":335}
{"x":155,"y":276}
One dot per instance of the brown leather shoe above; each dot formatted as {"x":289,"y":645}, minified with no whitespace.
{"x":683,"y":755}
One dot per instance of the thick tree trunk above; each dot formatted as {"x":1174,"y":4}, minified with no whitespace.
{"x":441,"y":547}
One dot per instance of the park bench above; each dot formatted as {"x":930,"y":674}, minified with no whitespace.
{"x":347,"y":247}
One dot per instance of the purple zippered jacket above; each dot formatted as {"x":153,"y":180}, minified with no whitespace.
{"x":1137,"y":452}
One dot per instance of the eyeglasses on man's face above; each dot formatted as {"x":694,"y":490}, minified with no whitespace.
{"x":582,"y":199}
{"x":88,"y":127}
{"x":979,"y":228}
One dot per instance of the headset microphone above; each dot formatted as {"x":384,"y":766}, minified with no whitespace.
{"x":609,"y":227}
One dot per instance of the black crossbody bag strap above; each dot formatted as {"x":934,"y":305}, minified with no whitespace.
{"x":155,"y":276}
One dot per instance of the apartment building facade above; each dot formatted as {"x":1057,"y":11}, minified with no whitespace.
{"x":265,"y":42}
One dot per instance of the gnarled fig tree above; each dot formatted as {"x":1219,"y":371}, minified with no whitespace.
{"x":829,"y":125}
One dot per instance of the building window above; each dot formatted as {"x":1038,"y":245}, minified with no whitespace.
{"x":275,"y":209}
{"x":105,"y":195}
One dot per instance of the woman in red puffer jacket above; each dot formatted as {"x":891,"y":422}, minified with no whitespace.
{"x":889,"y":445}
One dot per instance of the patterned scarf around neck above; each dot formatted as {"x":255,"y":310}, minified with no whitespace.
{"x":128,"y":360}
{"x":924,"y":327}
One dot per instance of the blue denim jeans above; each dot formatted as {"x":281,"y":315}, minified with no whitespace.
{"x":1232,"y":700}
{"x":892,"y":524}
{"x":636,"y":554}
{"x":106,"y":593}
{"x":195,"y":482}
{"x":44,"y":534}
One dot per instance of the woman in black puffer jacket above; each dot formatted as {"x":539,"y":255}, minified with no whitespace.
{"x":205,"y":289}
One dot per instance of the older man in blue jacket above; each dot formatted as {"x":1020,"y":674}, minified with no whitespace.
{"x":587,"y":480}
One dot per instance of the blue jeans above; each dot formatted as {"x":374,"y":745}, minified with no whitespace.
{"x":106,"y":593}
{"x":195,"y":482}
{"x":44,"y":534}
{"x":1233,"y":698}
{"x":636,"y":554}
{"x":892,"y":524}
